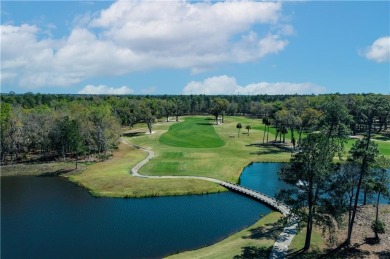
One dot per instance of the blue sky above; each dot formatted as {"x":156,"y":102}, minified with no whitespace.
{"x":137,"y":47}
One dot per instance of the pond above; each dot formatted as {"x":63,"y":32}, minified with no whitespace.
{"x":50,"y":217}
{"x":262,"y":177}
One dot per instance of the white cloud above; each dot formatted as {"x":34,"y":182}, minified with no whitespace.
{"x":142,"y":35}
{"x":379,"y":50}
{"x":227,"y":85}
{"x":103,"y":89}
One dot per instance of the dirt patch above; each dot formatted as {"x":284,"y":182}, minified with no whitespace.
{"x":363,"y":237}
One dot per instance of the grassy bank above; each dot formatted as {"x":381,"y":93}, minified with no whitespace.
{"x":253,"y":242}
{"x":41,"y":169}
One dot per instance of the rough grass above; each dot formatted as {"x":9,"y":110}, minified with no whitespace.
{"x":225,"y":162}
{"x":112,"y":179}
{"x":49,"y":168}
{"x":194,"y":132}
{"x":253,"y":242}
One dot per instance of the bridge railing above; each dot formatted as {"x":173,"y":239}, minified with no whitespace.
{"x":241,"y":188}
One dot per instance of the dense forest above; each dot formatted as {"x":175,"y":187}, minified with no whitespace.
{"x":60,"y":126}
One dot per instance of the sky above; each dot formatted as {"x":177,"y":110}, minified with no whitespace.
{"x":195,"y":47}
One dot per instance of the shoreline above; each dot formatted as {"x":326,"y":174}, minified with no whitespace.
{"x":67,"y":170}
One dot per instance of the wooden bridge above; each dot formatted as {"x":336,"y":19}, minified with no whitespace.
{"x":263,"y":198}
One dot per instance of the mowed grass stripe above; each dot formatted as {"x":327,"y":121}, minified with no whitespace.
{"x":192,"y":133}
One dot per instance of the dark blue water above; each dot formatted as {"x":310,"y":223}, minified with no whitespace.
{"x":49,"y":217}
{"x":262,"y":177}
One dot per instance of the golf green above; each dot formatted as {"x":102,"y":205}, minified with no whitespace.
{"x":196,"y":132}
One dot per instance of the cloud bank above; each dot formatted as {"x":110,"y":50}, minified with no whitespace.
{"x":103,"y":89}
{"x":143,"y":35}
{"x":225,"y":85}
{"x":379,"y":51}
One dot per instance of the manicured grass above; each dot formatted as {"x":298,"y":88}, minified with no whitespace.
{"x":384,"y":146}
{"x":112,"y":179}
{"x":195,"y":132}
{"x":317,"y":246}
{"x":253,"y":242}
{"x":225,"y":162}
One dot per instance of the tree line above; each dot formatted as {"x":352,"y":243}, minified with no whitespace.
{"x":85,"y":125}
{"x":323,"y":189}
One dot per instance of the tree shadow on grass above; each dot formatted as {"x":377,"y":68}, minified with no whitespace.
{"x":269,"y":231}
{"x":268,"y":149}
{"x":133,"y":134}
{"x":301,"y":254}
{"x":205,"y":123}
{"x":252,"y":252}
{"x":343,"y":251}
{"x":58,"y":172}
{"x":383,"y":136}
{"x":347,"y":252}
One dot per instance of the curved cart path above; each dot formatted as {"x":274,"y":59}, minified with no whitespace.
{"x":280,"y":247}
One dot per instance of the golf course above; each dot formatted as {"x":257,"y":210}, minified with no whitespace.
{"x":195,"y":129}
{"x":195,"y":146}
{"x":198,"y":147}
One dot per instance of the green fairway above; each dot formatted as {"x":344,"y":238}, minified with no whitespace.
{"x":112,"y":179}
{"x":226,"y":162}
{"x":195,"y":132}
{"x":384,"y":146}
{"x":177,"y":156}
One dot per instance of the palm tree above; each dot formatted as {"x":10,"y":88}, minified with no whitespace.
{"x":266,"y":123}
{"x":248,"y":127}
{"x":239,"y":126}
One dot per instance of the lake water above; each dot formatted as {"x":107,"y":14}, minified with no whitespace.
{"x":263,"y":177}
{"x":50,"y":217}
